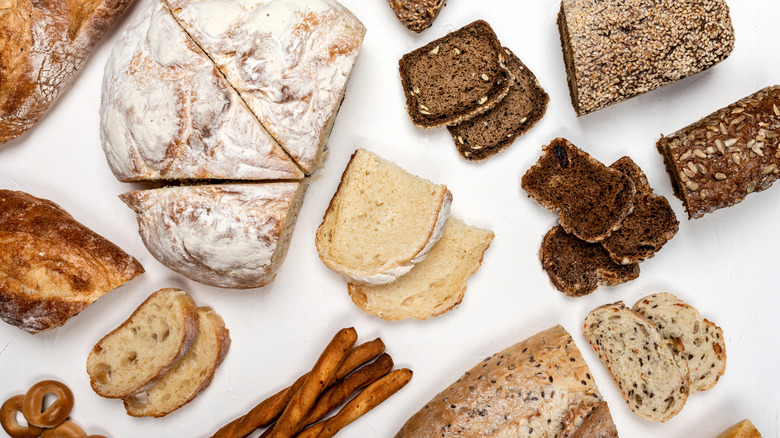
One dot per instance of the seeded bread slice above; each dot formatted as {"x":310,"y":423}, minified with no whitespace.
{"x":487,"y":134}
{"x":455,"y":77}
{"x":435,"y":285}
{"x":417,"y":15}
{"x":191,"y":375}
{"x":649,"y":370}
{"x":705,"y":349}
{"x":743,"y":429}
{"x":136,"y":354}
{"x":381,"y":221}
{"x":650,"y":225}
{"x":591,"y":198}
{"x":578,"y":268}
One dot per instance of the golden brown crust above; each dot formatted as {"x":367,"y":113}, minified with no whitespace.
{"x":743,"y":429}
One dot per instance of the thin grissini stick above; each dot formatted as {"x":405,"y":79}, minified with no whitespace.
{"x":367,"y":399}
{"x":319,"y":378}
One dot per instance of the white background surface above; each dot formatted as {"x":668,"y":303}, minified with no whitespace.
{"x":724,"y":264}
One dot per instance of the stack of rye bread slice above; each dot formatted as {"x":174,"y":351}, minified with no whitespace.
{"x":610,"y":219}
{"x":480,"y":90}
{"x":390,"y":235}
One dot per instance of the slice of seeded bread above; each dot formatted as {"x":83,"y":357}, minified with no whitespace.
{"x":487,"y":134}
{"x":650,"y":225}
{"x":149,"y":343}
{"x":705,"y":349}
{"x":743,"y":429}
{"x":191,"y":375}
{"x":455,"y":77}
{"x":381,"y":221}
{"x":417,"y":15}
{"x":435,"y":285}
{"x":577,"y":268}
{"x":649,"y":370}
{"x":592,"y":199}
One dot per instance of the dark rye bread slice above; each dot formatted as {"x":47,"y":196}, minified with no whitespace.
{"x":417,"y":15}
{"x":578,"y":268}
{"x":487,"y":134}
{"x":591,"y":198}
{"x":455,"y":77}
{"x":652,"y":223}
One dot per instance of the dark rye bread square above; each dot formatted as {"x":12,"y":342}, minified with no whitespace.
{"x":417,"y":15}
{"x":455,"y":77}
{"x":722,"y":158}
{"x":489,"y":133}
{"x":591,"y":198}
{"x":618,"y":49}
{"x":578,"y":268}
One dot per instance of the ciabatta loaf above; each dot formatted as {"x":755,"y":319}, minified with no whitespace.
{"x":381,"y":221}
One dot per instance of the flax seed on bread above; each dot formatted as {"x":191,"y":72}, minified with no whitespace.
{"x":417,"y":15}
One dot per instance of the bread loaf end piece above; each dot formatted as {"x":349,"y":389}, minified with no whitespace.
{"x":417,"y":15}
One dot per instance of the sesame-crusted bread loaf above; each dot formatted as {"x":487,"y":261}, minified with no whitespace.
{"x":433,"y":286}
{"x":381,"y":221}
{"x":536,"y":388}
{"x":649,"y":370}
{"x":591,"y":198}
{"x":144,"y":347}
{"x":743,"y":429}
{"x":417,"y":15}
{"x":705,"y":348}
{"x":455,"y":77}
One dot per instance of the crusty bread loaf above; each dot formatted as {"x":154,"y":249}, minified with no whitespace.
{"x":190,"y":376}
{"x":592,"y":420}
{"x":51,"y":266}
{"x":528,"y":390}
{"x":433,"y":286}
{"x":417,"y":15}
{"x":42,"y":47}
{"x":704,"y":346}
{"x":381,"y":221}
{"x":743,"y":429}
{"x":142,"y":349}
{"x":649,"y":370}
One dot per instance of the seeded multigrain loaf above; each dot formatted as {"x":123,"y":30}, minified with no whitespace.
{"x":618,"y":49}
{"x":649,"y":370}
{"x":417,"y":15}
{"x":487,"y":134}
{"x":455,"y":77}
{"x":540,"y":387}
{"x":743,"y":429}
{"x":591,"y":198}
{"x":704,"y":346}
{"x":722,"y":158}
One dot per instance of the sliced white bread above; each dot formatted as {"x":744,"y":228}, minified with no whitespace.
{"x":138,"y":352}
{"x":705,"y":349}
{"x":191,"y":375}
{"x":649,"y":370}
{"x":435,"y":285}
{"x":381,"y":221}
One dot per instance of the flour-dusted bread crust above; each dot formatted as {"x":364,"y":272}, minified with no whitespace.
{"x":226,"y":235}
{"x":288,"y":59}
{"x":143,"y":348}
{"x":704,"y":346}
{"x":381,"y":221}
{"x":51,"y":266}
{"x":434,"y":286}
{"x":167,"y":113}
{"x":524,"y":391}
{"x":190,"y":376}
{"x":649,"y":370}
{"x":743,"y":429}
{"x":43,"y":44}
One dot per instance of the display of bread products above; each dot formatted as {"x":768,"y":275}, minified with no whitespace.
{"x":390,"y":218}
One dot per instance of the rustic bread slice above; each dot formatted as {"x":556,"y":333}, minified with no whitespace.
{"x":417,"y":15}
{"x":381,"y":221}
{"x":444,"y":81}
{"x":649,"y":370}
{"x":433,"y":286}
{"x":191,"y":375}
{"x":743,"y":429}
{"x":591,"y":198}
{"x":138,"y":352}
{"x":705,"y":349}
{"x":577,"y":268}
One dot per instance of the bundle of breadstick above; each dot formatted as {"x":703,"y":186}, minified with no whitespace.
{"x":340,"y":372}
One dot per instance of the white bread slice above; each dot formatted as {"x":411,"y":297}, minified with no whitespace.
{"x":433,"y":286}
{"x":705,"y":349}
{"x":649,"y":370}
{"x":191,"y":375}
{"x":381,"y":221}
{"x":144,"y":347}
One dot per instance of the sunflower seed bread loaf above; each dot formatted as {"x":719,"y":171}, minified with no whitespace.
{"x":417,"y":15}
